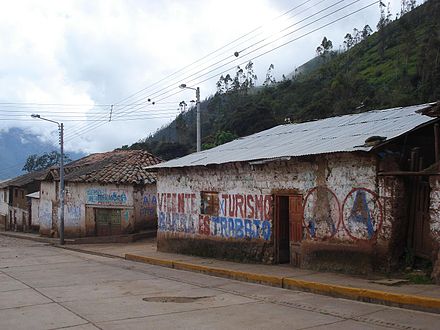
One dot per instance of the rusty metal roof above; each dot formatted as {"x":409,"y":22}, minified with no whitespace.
{"x":346,"y":133}
{"x":117,"y":167}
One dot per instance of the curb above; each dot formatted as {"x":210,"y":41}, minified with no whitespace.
{"x":129,"y":238}
{"x":95,"y":253}
{"x":422,"y":303}
{"x":29,"y":238}
{"x":149,"y":260}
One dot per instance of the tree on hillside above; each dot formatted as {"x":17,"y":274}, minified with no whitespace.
{"x":251,"y":77}
{"x":238,"y":79}
{"x":406,"y":6}
{"x":325,"y":47}
{"x":348,"y":41}
{"x":384,"y":20}
{"x":351,"y":40}
{"x":366,"y":32}
{"x":220,"y":138}
{"x":35,"y":162}
{"x":270,"y":79}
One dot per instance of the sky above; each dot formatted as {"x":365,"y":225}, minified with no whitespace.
{"x":84,"y":62}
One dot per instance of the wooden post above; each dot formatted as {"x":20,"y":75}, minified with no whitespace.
{"x":414,"y":159}
{"x":437,"y":142}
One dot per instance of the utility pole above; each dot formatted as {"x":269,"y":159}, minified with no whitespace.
{"x":61,"y":194}
{"x":61,"y":126}
{"x":199,"y":143}
{"x":198,"y":124}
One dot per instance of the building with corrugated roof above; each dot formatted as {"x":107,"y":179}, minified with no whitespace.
{"x":349,"y":193}
{"x":106,"y":194}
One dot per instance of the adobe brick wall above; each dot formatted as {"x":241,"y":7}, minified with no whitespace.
{"x":434,"y":213}
{"x":347,"y":184}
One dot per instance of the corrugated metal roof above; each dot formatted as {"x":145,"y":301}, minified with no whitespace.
{"x":336,"y":134}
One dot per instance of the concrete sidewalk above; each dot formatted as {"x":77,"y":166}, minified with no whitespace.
{"x":125,"y":238}
{"x":413,"y":296}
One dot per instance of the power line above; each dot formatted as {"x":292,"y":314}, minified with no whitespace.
{"x":177,"y":81}
{"x":234,"y":60}
{"x":134,"y":108}
{"x":268,"y":51}
{"x":183,"y":69}
{"x":213,"y":52}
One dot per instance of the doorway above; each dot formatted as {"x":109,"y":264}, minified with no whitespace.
{"x":289,"y":228}
{"x":108,"y":222}
{"x":283,"y":229}
{"x":419,"y":239}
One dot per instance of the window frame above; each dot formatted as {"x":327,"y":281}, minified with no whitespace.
{"x":212,"y":199}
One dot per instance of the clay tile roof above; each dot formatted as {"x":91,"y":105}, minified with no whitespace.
{"x":117,"y":167}
{"x":23,"y":180}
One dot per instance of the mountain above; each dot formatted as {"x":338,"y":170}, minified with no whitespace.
{"x":16,"y":145}
{"x":396,"y":66}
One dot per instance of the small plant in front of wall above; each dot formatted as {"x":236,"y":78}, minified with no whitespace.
{"x":418,"y":270}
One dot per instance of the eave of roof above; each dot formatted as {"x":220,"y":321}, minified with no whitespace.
{"x":336,"y":134}
{"x":116,"y":167}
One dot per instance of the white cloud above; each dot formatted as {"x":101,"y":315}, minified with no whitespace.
{"x":98,"y":52}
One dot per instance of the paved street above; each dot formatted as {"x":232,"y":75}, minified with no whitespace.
{"x":44,"y":287}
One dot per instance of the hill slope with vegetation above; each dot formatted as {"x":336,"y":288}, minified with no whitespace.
{"x":396,"y":66}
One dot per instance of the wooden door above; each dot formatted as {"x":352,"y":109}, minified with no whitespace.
{"x":108,"y":222}
{"x":296,"y":228}
{"x":296,"y":218}
{"x":420,"y":204}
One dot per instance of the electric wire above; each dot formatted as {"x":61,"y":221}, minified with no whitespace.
{"x":332,"y":22}
{"x":127,"y":110}
{"x":283,"y":36}
{"x":173,"y":85}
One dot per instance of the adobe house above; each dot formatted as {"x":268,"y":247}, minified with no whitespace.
{"x":15,"y":206}
{"x":34,"y":210}
{"x":349,"y":193}
{"x":106,"y":194}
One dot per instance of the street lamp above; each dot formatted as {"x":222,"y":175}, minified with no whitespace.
{"x":61,"y":129}
{"x":197,"y":89}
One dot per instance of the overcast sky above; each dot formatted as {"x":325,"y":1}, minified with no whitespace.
{"x":72,"y":60}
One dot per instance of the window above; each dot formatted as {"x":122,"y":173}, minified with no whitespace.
{"x":209,"y":203}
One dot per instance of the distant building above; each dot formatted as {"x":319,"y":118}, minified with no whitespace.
{"x":349,"y":193}
{"x":34,"y":201}
{"x":106,"y":194}
{"x":14,"y":205}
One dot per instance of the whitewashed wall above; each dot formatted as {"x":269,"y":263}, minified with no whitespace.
{"x":348,"y":179}
{"x":3,"y":202}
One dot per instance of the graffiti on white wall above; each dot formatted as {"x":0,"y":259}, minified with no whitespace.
{"x":321,"y":213}
{"x":103,"y":196}
{"x":360,"y":214}
{"x":149,"y":205}
{"x":45,"y":213}
{"x":73,"y":214}
{"x":240,"y":216}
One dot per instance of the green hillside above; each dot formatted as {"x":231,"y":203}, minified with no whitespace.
{"x":395,"y":66}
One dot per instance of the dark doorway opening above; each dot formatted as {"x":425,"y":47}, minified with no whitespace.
{"x":283,"y":229}
{"x":289,"y":228}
